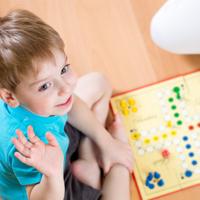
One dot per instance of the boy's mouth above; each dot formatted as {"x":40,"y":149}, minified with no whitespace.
{"x":67,"y":102}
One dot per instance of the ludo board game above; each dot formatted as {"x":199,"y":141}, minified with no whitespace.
{"x":163,"y":125}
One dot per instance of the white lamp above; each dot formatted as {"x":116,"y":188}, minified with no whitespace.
{"x":176,"y":26}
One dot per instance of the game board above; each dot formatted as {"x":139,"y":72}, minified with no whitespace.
{"x":163,"y":125}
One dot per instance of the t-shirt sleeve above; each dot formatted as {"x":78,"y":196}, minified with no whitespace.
{"x":25,"y":174}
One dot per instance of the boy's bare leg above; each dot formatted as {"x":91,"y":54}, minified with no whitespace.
{"x":116,"y":184}
{"x":86,"y":168}
{"x":118,"y":178}
{"x":95,"y":90}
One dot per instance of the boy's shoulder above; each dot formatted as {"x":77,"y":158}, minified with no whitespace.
{"x":9,"y":124}
{"x":5,"y":118}
{"x":8,"y":127}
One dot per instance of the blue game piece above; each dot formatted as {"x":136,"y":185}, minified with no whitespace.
{"x":156,"y":175}
{"x":188,"y":173}
{"x":185,"y":138}
{"x":191,"y":154}
{"x":187,"y":146}
{"x":161,"y":183}
{"x":150,"y":176}
{"x":147,"y":183}
{"x":151,"y":186}
{"x":194,"y":162}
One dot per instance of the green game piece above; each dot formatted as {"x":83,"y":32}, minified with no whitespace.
{"x":173,"y":107}
{"x":179,"y":122}
{"x":176,"y":115}
{"x":170,"y":99}
{"x":176,"y":89}
{"x":178,"y":96}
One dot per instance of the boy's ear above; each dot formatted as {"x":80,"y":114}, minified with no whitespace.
{"x":8,"y":97}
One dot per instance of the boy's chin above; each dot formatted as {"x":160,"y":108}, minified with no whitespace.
{"x":63,"y":111}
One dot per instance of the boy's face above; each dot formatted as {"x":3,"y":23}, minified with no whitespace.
{"x":50,"y":92}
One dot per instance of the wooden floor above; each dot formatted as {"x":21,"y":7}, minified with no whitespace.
{"x":112,"y":36}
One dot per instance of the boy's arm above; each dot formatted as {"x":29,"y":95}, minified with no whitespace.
{"x":49,"y":188}
{"x":81,"y":117}
{"x":47,"y":159}
{"x":111,"y":150}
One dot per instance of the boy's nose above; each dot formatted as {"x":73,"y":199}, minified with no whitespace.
{"x":64,"y":89}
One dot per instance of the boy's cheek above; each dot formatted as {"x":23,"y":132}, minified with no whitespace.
{"x":74,"y":82}
{"x":42,"y":107}
{"x":74,"y":78}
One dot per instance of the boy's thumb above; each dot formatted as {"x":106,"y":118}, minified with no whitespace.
{"x":51,"y":139}
{"x":117,"y":117}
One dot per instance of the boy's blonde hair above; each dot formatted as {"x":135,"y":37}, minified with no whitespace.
{"x":24,"y":40}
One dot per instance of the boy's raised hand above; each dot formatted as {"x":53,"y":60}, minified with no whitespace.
{"x":46,"y":158}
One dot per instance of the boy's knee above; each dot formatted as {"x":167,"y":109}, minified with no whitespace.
{"x":102,"y":82}
{"x":93,"y":87}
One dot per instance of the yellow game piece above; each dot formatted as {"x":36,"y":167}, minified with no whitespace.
{"x":131,"y":101}
{"x":147,"y":141}
{"x":123,"y":103}
{"x":125,"y":112}
{"x":174,"y":133}
{"x":156,"y":138}
{"x":135,"y":136}
{"x":169,"y":124}
{"x":134,"y":109}
{"x":164,"y":135}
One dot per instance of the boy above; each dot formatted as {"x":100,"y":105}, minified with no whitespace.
{"x":39,"y":93}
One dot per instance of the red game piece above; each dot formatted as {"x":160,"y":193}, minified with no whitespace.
{"x":165,"y":153}
{"x":191,"y":127}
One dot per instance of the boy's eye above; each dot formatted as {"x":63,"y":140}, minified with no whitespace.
{"x":44,"y":87}
{"x":65,"y":69}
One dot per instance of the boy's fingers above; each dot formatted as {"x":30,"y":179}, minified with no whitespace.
{"x":28,"y":144}
{"x":106,"y":167}
{"x":18,"y":145}
{"x":22,"y":158}
{"x":21,"y":148}
{"x":130,"y":165}
{"x":100,"y":162}
{"x":23,"y":139}
{"x":21,"y":136}
{"x":51,"y":139}
{"x":32,"y":137}
{"x":106,"y":170}
{"x":117,"y":117}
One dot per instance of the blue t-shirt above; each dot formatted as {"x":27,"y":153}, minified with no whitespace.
{"x":14,"y":175}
